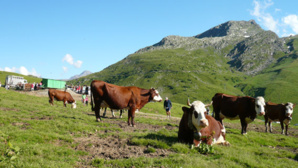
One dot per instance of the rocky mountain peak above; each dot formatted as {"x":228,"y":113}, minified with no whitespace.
{"x":232,"y":28}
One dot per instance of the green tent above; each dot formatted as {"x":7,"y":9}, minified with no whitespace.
{"x":51,"y":83}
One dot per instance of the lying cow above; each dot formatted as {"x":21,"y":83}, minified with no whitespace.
{"x":278,"y":112}
{"x":61,"y":96}
{"x":238,"y":107}
{"x":196,"y":126}
{"x":120,"y":97}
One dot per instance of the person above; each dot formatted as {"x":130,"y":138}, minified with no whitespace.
{"x":0,"y":84}
{"x":86,"y":100}
{"x":32,"y":86}
{"x":167,"y":106}
{"x":83,"y":99}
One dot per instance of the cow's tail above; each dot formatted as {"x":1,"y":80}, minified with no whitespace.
{"x":91,"y":97}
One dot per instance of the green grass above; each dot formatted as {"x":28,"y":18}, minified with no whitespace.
{"x":35,"y":134}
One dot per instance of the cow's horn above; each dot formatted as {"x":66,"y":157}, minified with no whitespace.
{"x":207,"y":105}
{"x":188,"y":103}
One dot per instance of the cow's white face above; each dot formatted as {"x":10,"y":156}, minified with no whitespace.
{"x":74,"y":105}
{"x":198,"y":115}
{"x":289,"y":110}
{"x":156,"y":97}
{"x":260,"y":106}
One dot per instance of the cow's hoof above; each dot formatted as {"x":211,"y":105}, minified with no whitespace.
{"x":98,"y":120}
{"x":134,"y":126}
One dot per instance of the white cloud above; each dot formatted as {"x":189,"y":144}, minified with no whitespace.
{"x":22,"y":70}
{"x":69,"y":59}
{"x":78,"y":64}
{"x":292,"y":21}
{"x":64,"y":69}
{"x":265,"y":18}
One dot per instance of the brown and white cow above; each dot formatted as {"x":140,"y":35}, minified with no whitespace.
{"x":279,"y":112}
{"x":244,"y":108}
{"x":196,"y":126}
{"x":61,"y":96}
{"x":120,"y":97}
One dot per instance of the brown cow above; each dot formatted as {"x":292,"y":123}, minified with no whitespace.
{"x":237,"y":107}
{"x":196,"y":126}
{"x":120,"y":97}
{"x":279,"y":112}
{"x":61,"y":96}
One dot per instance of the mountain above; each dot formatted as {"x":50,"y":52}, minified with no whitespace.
{"x":235,"y":57}
{"x":85,"y":73}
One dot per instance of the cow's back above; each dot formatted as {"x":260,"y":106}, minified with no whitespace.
{"x":274,"y":111}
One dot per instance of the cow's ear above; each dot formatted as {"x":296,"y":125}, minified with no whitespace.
{"x":185,"y":109}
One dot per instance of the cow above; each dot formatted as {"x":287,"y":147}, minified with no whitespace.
{"x":131,"y":98}
{"x":196,"y":126}
{"x":278,"y":112}
{"x":244,"y":108}
{"x":61,"y":96}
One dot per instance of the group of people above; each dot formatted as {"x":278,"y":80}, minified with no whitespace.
{"x":81,"y":89}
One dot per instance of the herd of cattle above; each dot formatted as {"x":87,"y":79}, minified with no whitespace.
{"x":196,"y":125}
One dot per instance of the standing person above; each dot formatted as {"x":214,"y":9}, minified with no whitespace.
{"x":32,"y":86}
{"x":167,"y":106}
{"x":83,"y":99}
{"x":0,"y":84}
{"x":86,"y":100}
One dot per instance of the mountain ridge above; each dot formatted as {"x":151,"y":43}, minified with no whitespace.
{"x":224,"y":62}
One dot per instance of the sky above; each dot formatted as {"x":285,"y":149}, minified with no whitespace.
{"x":58,"y":39}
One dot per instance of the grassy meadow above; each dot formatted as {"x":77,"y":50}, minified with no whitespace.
{"x":35,"y":134}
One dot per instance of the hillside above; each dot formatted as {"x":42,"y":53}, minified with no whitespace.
{"x":235,"y":57}
{"x":30,"y":79}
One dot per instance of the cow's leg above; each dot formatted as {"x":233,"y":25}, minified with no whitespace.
{"x":282,"y":127}
{"x":64,"y":103}
{"x":113,"y":115}
{"x":133,"y":117}
{"x":97,"y":111}
{"x":243,"y":126}
{"x":287,"y":129}
{"x":105,"y":112}
{"x":129,"y":117}
{"x":217,"y":117}
{"x":270,"y":126}
{"x":120,"y":114}
{"x":266,"y":122}
{"x":51,"y":101}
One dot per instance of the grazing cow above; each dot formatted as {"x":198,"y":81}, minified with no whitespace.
{"x":120,"y":97}
{"x":237,"y":107}
{"x":61,"y":96}
{"x":279,"y":112}
{"x":196,"y":126}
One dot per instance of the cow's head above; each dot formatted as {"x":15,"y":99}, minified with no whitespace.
{"x":197,"y":119}
{"x":260,"y":105}
{"x":74,"y":105}
{"x":289,"y":110}
{"x":154,"y":95}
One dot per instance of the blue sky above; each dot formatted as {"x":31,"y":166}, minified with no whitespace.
{"x":58,"y":39}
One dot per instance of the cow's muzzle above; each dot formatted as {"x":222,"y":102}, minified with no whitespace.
{"x":203,"y":123}
{"x":261,"y":113}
